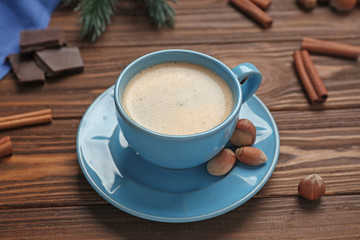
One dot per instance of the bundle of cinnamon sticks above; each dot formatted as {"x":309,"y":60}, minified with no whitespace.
{"x":313,"y":85}
{"x":20,"y":120}
{"x":310,"y":79}
{"x":255,"y":9}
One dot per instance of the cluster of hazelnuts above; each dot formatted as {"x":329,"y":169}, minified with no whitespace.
{"x":338,"y":5}
{"x":243,"y":137}
{"x":311,"y":187}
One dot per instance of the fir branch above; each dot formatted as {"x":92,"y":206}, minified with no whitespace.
{"x":94,"y":16}
{"x":160,"y":12}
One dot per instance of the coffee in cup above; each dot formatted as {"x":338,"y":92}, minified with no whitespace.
{"x":178,"y":98}
{"x":182,"y":149}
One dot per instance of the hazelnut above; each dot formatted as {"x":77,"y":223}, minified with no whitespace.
{"x":250,"y":155}
{"x":222,"y":163}
{"x":244,"y":134}
{"x":343,"y":5}
{"x":307,"y":4}
{"x":311,"y":187}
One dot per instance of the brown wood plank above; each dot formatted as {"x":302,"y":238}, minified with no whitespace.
{"x":280,"y":90}
{"x":265,"y":218}
{"x":44,"y":194}
{"x":44,"y":171}
{"x":216,"y":22}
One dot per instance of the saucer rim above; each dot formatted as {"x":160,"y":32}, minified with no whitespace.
{"x":212,"y":214}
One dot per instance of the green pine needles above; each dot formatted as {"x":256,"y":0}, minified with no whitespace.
{"x":96,"y":14}
{"x":160,"y":12}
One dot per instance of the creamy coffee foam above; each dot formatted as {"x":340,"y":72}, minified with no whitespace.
{"x":178,"y":98}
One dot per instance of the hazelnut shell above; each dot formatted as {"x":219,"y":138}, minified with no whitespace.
{"x":222,"y":163}
{"x":244,"y":134}
{"x":343,"y":5}
{"x":311,"y":187}
{"x":307,"y":4}
{"x":250,"y":155}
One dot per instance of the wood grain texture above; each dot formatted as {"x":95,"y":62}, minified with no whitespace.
{"x":216,"y":22}
{"x":44,"y":194}
{"x":44,"y":169}
{"x":266,"y":218}
{"x":280,"y":90}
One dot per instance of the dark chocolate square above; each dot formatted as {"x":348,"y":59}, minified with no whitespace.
{"x":33,"y":40}
{"x":56,"y":61}
{"x":26,"y":70}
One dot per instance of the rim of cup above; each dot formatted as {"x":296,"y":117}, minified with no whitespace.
{"x":219,"y":127}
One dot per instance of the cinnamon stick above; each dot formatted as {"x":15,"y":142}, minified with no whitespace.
{"x":5,"y":146}
{"x":253,"y":11}
{"x":314,"y":76}
{"x":330,"y":48}
{"x":310,"y":91}
{"x":264,"y":4}
{"x":23,"y":115}
{"x":27,"y":119}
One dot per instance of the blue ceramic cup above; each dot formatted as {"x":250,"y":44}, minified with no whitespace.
{"x":184,"y":151}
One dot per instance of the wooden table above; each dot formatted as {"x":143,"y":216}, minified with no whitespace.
{"x":44,"y":194}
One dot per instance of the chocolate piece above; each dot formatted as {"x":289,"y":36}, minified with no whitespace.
{"x":33,"y":40}
{"x":26,"y":70}
{"x":42,"y":65}
{"x":56,"y":61}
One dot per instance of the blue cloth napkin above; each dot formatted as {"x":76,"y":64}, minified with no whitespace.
{"x":17,"y":15}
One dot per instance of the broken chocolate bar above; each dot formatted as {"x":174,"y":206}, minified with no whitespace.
{"x":56,"y":61}
{"x":33,"y":40}
{"x":26,"y":70}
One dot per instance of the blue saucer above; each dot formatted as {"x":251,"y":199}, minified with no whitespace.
{"x":142,"y":189}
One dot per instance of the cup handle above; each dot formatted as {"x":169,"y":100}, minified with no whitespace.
{"x":249,"y":87}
